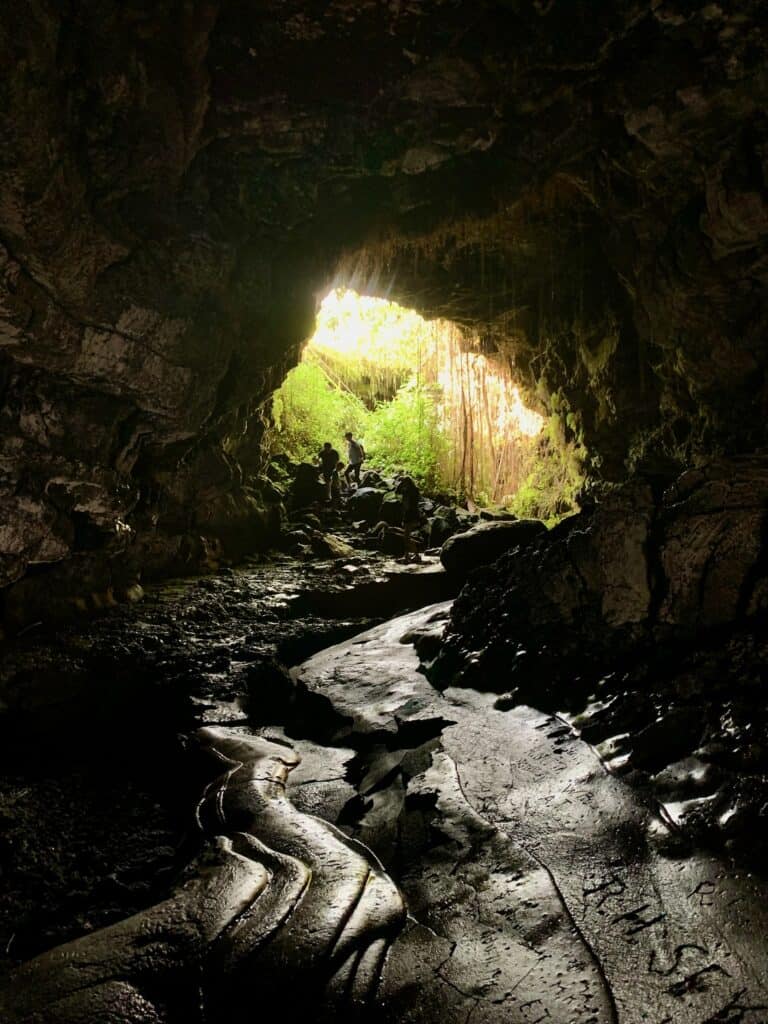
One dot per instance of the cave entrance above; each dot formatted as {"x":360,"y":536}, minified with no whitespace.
{"x":424,"y":400}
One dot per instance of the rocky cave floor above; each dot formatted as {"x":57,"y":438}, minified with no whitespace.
{"x":96,"y":795}
{"x":475,"y":803}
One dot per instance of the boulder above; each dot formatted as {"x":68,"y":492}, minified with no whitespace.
{"x":440,"y":529}
{"x":309,"y":520}
{"x":371,"y":479}
{"x":392,"y":541}
{"x":448,"y":519}
{"x":271,"y":492}
{"x":386,"y":538}
{"x":237,"y":521}
{"x":671,"y":737}
{"x":328,"y":545}
{"x":306,"y":488}
{"x":365,"y":503}
{"x":483,"y":543}
{"x":713,"y":538}
{"x":391,"y":510}
{"x":293,"y":539}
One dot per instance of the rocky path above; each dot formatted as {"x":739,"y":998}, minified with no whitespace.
{"x":540,"y":887}
{"x":96,"y":790}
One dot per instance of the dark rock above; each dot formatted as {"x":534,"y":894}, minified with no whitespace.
{"x":568,"y":603}
{"x":365,"y":503}
{"x":238,"y":522}
{"x":448,"y":519}
{"x":270,"y":491}
{"x":309,"y":521}
{"x":489,"y":516}
{"x":686,"y":779}
{"x":715,"y":522}
{"x":326,"y":545}
{"x":391,"y":541}
{"x":666,"y":740}
{"x":391,"y":509}
{"x":484,"y":543}
{"x":440,"y":529}
{"x":400,"y":586}
{"x":622,"y":713}
{"x":306,"y":488}
{"x":387,"y":539}
{"x":370,"y":478}
{"x":293,"y":538}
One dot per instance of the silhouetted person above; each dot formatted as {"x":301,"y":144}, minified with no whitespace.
{"x":329,"y":459}
{"x":409,"y":496}
{"x":355,"y":455}
{"x":336,"y":484}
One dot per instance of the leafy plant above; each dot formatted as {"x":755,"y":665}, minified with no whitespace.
{"x":405,"y":434}
{"x":425,"y":401}
{"x":548,"y":491}
{"x":308,"y":410}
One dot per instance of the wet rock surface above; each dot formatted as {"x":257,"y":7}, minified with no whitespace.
{"x":538,"y":883}
{"x":276,"y":895}
{"x":641,"y":621}
{"x":535,"y":880}
{"x":96,"y":786}
{"x":585,"y":192}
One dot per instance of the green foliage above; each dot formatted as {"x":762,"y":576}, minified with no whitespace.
{"x":548,"y":491}
{"x":401,"y":435}
{"x":370,"y":382}
{"x":405,"y":434}
{"x":483,"y":500}
{"x":426,"y":402}
{"x":367,"y":345}
{"x":308,"y":410}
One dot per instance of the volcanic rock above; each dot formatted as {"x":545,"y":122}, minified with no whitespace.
{"x":483,"y":543}
{"x":365,"y":503}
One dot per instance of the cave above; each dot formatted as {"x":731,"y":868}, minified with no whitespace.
{"x":249,"y":758}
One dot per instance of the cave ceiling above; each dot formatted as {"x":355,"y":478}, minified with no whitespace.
{"x":581,"y":185}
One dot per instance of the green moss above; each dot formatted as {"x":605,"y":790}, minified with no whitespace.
{"x":549,"y":491}
{"x":596,"y":348}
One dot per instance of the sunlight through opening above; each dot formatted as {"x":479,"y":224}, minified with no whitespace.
{"x":423,"y":399}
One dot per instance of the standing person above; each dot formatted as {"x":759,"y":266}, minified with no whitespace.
{"x":336,"y":485}
{"x":329,"y":458}
{"x":355,"y":454}
{"x":409,"y":494}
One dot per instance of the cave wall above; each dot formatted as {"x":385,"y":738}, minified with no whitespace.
{"x":582,"y":184}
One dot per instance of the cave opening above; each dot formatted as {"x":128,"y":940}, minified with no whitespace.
{"x":469,"y":756}
{"x":425,"y":400}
